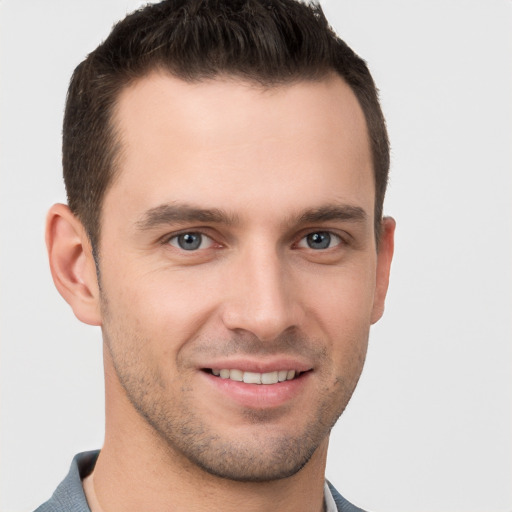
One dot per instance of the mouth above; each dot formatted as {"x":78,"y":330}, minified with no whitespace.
{"x":267,"y":378}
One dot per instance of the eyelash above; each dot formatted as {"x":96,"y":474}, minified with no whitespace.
{"x":192,"y":234}
{"x":301,"y":243}
{"x":328,"y":234}
{"x":171,"y":240}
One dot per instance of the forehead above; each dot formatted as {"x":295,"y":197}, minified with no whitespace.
{"x":233,"y":143}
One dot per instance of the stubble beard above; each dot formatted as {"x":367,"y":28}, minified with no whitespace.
{"x":264,"y":455}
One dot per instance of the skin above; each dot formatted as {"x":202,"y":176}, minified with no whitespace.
{"x":268,"y":168}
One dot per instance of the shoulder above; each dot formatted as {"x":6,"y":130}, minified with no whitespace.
{"x":69,"y":495}
{"x":341,"y":503}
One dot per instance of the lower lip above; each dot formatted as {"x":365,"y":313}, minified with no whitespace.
{"x":258,"y":396}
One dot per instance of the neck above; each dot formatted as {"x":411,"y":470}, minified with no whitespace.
{"x":137,"y":470}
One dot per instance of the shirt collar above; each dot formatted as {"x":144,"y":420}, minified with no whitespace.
{"x":330,"y":505}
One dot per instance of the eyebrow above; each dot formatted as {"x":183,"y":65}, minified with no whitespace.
{"x":165,"y":214}
{"x":339,"y":212}
{"x":177,"y":213}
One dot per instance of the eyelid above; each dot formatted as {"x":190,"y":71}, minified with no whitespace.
{"x":342,"y":239}
{"x":338,"y":238}
{"x":204,"y":232}
{"x":205,"y":240}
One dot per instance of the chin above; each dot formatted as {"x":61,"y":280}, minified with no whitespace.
{"x":256,"y":461}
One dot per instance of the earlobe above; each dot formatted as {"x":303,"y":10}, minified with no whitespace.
{"x":72,"y":263}
{"x":384,"y":257}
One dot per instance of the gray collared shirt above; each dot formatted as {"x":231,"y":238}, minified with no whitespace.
{"x":70,"y":497}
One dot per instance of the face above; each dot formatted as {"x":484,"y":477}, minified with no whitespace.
{"x":238,"y":268}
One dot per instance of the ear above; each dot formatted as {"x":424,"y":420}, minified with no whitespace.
{"x":72,"y":263}
{"x":384,"y":257}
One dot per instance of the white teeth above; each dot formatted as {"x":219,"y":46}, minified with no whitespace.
{"x":269,"y":378}
{"x":254,"y":377}
{"x":236,"y":375}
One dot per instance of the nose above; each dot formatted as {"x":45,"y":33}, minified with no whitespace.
{"x":260,"y":298}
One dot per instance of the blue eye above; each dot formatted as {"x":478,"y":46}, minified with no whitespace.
{"x":320,"y":240}
{"x":191,"y":241}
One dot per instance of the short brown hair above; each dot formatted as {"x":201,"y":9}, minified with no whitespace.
{"x":271,"y":42}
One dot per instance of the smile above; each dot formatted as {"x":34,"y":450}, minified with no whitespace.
{"x":255,"y":377}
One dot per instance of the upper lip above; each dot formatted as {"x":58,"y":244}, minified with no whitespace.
{"x":259,"y":365}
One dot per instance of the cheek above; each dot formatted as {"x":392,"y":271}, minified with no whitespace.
{"x":342,"y":312}
{"x":170,"y":305}
{"x":343,"y":300}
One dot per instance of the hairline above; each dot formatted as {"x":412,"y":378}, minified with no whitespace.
{"x":115,"y":130}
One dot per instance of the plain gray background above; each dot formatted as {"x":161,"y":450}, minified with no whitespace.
{"x":430,"y":425}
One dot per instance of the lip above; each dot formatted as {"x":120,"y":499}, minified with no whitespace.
{"x":260,"y":365}
{"x":258,"y":396}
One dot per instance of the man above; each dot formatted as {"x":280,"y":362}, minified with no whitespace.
{"x":226,"y":164}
